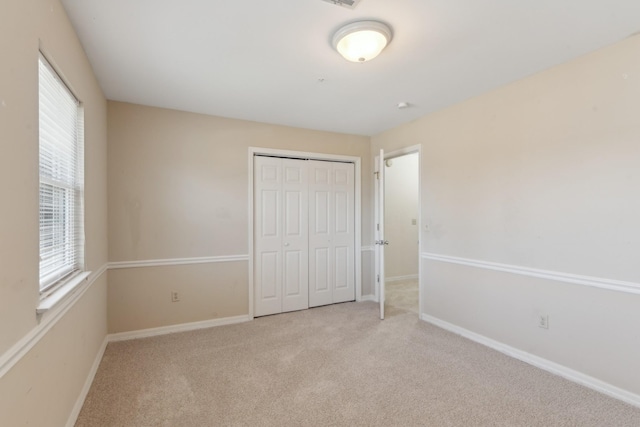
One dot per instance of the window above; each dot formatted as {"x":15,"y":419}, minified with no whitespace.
{"x":61,"y":180}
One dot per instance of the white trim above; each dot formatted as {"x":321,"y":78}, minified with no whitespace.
{"x":597,"y":282}
{"x":250,"y":232}
{"x":13,"y":355}
{"x":253,"y":151}
{"x":301,"y":155}
{"x":73,"y":417}
{"x":176,"y":261}
{"x":402,"y":152}
{"x":182,"y":327}
{"x":60,"y":294}
{"x":401,"y":278}
{"x":539,"y":362}
{"x":358,"y":225}
{"x":368,"y":248}
{"x":368,"y":298}
{"x":420,"y":231}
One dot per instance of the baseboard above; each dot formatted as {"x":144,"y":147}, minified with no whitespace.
{"x":539,"y":362}
{"x":401,"y":278}
{"x":182,"y":327}
{"x":73,"y":417}
{"x":367,"y":298}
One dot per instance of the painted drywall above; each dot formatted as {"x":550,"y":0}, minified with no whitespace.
{"x":205,"y":291}
{"x":43,"y":387}
{"x":26,"y":26}
{"x":178,"y":188}
{"x":542,"y":173}
{"x":401,"y":185}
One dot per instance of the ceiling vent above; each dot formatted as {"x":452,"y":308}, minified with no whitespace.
{"x":349,"y":4}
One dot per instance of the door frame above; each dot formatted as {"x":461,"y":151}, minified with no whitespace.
{"x":391,"y":155}
{"x":252,"y":152}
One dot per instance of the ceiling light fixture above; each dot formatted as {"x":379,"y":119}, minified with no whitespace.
{"x":362,"y":41}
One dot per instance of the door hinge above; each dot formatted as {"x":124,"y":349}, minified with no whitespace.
{"x":378,"y":278}
{"x":377,"y":174}
{"x":378,"y":227}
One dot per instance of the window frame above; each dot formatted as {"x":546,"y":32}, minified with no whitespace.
{"x":63,"y":199}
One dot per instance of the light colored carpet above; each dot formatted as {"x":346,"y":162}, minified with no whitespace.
{"x":333,"y":366}
{"x":402,"y":295}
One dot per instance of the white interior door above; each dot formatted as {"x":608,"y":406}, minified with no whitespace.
{"x":380,"y":242}
{"x":281,"y":235}
{"x":304,"y":234}
{"x":268,"y":235}
{"x":320,"y":249}
{"x":295,"y":239}
{"x":331,"y":233}
{"x":343,"y":240}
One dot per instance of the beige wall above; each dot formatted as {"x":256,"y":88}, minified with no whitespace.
{"x":43,"y":387}
{"x":178,"y":188}
{"x":139,"y":298}
{"x":401,"y":208}
{"x":59,"y":363}
{"x":542,"y":173}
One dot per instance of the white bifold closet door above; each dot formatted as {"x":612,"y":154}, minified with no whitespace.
{"x":281,"y":241}
{"x":331,"y":233}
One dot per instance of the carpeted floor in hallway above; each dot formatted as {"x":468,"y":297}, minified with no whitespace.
{"x":402,"y":295}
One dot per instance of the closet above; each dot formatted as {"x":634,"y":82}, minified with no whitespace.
{"x":304,"y":238}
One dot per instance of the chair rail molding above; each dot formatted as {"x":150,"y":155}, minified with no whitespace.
{"x":597,"y":282}
{"x":176,"y":261}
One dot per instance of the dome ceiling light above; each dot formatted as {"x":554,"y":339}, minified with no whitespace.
{"x":362,"y":41}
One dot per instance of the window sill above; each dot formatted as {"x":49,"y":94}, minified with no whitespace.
{"x":60,"y":294}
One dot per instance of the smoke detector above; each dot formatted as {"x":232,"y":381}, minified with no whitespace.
{"x":349,"y":4}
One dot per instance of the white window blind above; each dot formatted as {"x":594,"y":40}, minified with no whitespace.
{"x":61,"y":180}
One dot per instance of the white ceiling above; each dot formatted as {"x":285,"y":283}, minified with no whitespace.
{"x":262,"y":60}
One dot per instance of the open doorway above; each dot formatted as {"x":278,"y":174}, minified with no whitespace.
{"x":401,"y":211}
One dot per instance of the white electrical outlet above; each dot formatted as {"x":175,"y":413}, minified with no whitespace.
{"x":174,"y":296}
{"x":543,"y":321}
